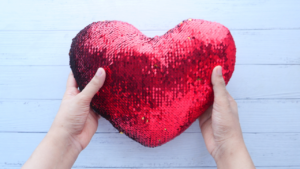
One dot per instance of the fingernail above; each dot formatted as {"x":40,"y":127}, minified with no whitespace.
{"x":99,"y":72}
{"x":219,"y":71}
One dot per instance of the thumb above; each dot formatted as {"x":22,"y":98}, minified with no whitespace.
{"x":220,"y":92}
{"x":94,"y":85}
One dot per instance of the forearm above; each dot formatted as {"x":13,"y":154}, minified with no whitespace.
{"x":57,"y":150}
{"x":236,"y":156}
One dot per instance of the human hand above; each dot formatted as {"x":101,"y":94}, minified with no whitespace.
{"x":75,"y":117}
{"x":221,"y":129}
{"x":72,"y":129}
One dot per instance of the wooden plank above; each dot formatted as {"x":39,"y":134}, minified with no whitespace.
{"x":193,"y":167}
{"x":148,"y":14}
{"x":188,"y":168}
{"x":248,"y":82}
{"x":255,"y":116}
{"x":52,"y":47}
{"x":257,"y":167}
{"x":5,"y":167}
{"x":187,"y":150}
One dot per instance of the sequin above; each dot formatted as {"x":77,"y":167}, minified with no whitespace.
{"x":164,"y":80}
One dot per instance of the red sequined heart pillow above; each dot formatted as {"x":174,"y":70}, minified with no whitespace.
{"x":155,"y":88}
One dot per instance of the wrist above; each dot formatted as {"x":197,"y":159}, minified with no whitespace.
{"x":229,"y":147}
{"x":233,"y":154}
{"x":55,"y":151}
{"x":64,"y":142}
{"x":61,"y":132}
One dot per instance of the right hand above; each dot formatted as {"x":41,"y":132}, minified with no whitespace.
{"x":221,"y":129}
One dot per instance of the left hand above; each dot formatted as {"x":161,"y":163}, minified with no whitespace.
{"x":72,"y":129}
{"x":75,"y":117}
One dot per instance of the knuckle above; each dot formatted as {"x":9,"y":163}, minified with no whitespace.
{"x":221,"y":105}
{"x":82,"y":97}
{"x":219,"y":82}
{"x":77,"y":101}
{"x":94,"y":82}
{"x":72,"y":91}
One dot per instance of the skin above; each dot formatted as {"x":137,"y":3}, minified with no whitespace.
{"x":72,"y":129}
{"x":76,"y":123}
{"x":221,"y":128}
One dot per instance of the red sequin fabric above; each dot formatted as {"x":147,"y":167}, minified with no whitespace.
{"x":155,"y":88}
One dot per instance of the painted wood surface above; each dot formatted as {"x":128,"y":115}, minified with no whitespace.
{"x":186,"y":150}
{"x":256,"y":116}
{"x":6,"y":167}
{"x":35,"y":38}
{"x":52,"y":47}
{"x":148,"y":14}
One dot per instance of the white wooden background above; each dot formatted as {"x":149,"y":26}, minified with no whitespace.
{"x":35,"y":38}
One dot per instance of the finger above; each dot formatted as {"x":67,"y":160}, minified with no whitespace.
{"x":94,"y":85}
{"x":232,"y":103}
{"x":220,"y":92}
{"x":90,"y":128}
{"x":207,"y":132}
{"x":230,"y":98}
{"x":96,"y":115}
{"x":206,"y":115}
{"x":71,"y":87}
{"x":71,"y":82}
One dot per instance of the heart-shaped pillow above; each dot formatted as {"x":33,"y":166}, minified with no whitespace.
{"x":155,"y":88}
